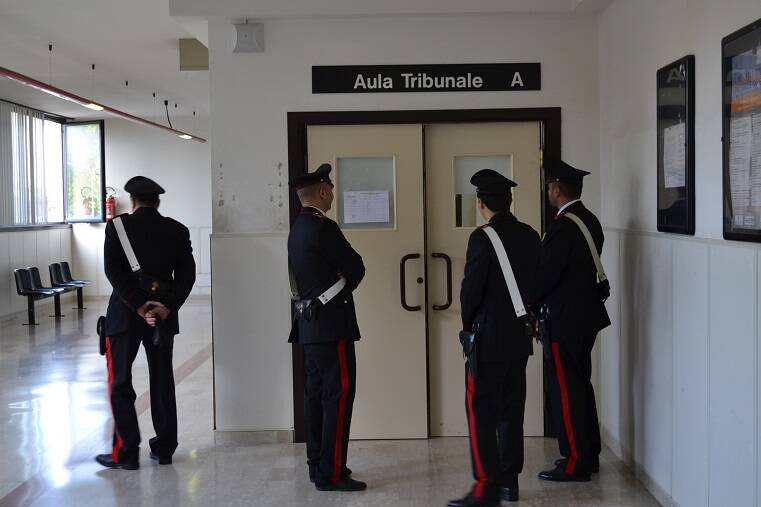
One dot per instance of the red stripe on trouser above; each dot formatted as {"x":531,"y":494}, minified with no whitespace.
{"x":119,"y":442}
{"x":478,"y":489}
{"x":338,"y":465}
{"x":568,"y":423}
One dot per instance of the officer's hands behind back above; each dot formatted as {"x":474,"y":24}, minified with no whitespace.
{"x":152,"y":312}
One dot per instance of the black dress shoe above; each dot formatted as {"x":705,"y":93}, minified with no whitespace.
{"x":562,"y":462}
{"x":107,"y":461}
{"x":343,"y":484}
{"x":313,"y":473}
{"x":472,"y":501}
{"x":558,"y":475}
{"x":163,"y":460}
{"x":509,"y":494}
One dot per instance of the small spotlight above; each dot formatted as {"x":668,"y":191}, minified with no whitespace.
{"x":185,"y":136}
{"x":94,"y":106}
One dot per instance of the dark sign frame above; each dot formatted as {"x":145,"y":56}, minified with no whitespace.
{"x":741,"y":45}
{"x":675,"y":86}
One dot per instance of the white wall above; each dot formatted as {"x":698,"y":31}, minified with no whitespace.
{"x":679,"y":367}
{"x":251,"y":95}
{"x":181,"y":167}
{"x":29,"y":248}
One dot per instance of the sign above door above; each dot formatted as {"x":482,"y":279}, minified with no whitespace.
{"x":469,"y":77}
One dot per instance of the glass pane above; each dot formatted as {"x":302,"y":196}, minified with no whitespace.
{"x":466,"y":210}
{"x":53,"y":171}
{"x":84,"y":173}
{"x":365,"y":192}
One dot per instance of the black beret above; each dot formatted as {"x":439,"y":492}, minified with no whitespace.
{"x":140,"y":185}
{"x":321,"y":175}
{"x":489,"y":181}
{"x":557,"y":170}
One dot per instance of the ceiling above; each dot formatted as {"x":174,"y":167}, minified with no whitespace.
{"x":134,"y":41}
{"x":270,"y":9}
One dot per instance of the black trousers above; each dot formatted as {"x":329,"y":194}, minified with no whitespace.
{"x":495,"y":402}
{"x":572,"y":402}
{"x":331,"y":375}
{"x":120,"y":354}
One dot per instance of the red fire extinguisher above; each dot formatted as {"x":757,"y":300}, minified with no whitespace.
{"x":110,"y":204}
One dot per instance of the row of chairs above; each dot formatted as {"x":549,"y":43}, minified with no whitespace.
{"x":29,"y":285}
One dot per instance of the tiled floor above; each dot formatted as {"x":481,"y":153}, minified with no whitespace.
{"x":55,"y":418}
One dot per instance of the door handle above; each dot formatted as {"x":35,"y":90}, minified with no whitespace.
{"x":403,"y":283}
{"x":438,"y":255}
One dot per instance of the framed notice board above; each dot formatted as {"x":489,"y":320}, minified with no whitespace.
{"x":741,"y":133}
{"x":676,"y":146}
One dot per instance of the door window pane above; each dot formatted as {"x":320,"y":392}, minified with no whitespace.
{"x":365,"y":192}
{"x":84,"y":172}
{"x":465,"y":166}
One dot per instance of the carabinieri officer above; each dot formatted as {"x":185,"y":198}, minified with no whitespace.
{"x":164,"y":255}
{"x":496,"y":386}
{"x":567,"y":288}
{"x":326,"y":270}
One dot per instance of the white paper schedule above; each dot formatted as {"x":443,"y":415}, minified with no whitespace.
{"x":739,"y":164}
{"x":674,"y":156}
{"x":366,"y":206}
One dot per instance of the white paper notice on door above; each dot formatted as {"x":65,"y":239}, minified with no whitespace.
{"x":673,"y":156}
{"x":366,"y":207}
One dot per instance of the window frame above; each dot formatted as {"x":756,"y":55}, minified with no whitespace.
{"x":102,"y":218}
{"x":47,"y":225}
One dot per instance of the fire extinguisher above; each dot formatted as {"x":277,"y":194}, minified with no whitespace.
{"x":110,"y":204}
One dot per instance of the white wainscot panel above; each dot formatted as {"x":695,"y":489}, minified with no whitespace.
{"x":652,"y":368}
{"x":610,"y":381}
{"x":54,"y":245}
{"x":16,"y":256}
{"x":7,"y":287}
{"x":252,"y":359}
{"x":732,"y":354}
{"x":43,"y":260}
{"x":29,"y":247}
{"x":690,"y":429}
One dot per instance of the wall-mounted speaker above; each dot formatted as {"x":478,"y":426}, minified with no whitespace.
{"x":249,"y":38}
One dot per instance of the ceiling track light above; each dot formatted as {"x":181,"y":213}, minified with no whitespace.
{"x":71,"y":97}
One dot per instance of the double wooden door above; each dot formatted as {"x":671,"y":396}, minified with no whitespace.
{"x":404,"y":201}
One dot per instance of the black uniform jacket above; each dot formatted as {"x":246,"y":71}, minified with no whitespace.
{"x":568,"y":277}
{"x":162,"y":247}
{"x":484,"y":297}
{"x":318,"y":253}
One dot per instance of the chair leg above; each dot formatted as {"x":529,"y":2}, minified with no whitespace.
{"x":80,"y":300}
{"x":30,"y":311}
{"x":57,"y":305}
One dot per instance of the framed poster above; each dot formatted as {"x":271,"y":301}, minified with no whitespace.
{"x":741,"y":133}
{"x":676,"y":146}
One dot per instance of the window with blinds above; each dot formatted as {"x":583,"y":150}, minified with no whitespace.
{"x":31,"y":167}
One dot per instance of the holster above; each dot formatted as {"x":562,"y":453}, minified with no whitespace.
{"x":543,"y":326}
{"x":100,"y":328}
{"x":160,"y":335}
{"x":469,"y":342}
{"x":603,"y":289}
{"x":305,"y":309}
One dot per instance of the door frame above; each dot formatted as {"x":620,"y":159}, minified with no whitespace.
{"x":298,"y":121}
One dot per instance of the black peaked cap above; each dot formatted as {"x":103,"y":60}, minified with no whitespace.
{"x":321,"y":175}
{"x":140,"y":185}
{"x":557,"y":170}
{"x":489,"y":181}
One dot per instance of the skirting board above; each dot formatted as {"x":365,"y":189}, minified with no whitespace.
{"x":254,"y":437}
